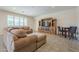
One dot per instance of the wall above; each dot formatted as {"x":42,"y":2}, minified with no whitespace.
{"x":64,"y":18}
{"x":31,"y":22}
{"x":77,"y":11}
{"x":3,"y":20}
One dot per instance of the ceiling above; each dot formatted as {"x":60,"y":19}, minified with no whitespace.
{"x":35,"y":10}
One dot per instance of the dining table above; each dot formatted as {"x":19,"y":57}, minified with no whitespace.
{"x":65,"y":31}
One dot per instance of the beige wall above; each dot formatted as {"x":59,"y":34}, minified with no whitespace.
{"x":77,"y":11}
{"x":3,"y":20}
{"x":64,"y":18}
{"x":31,"y":22}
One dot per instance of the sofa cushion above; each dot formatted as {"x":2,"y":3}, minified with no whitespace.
{"x":15,"y":38}
{"x":15,"y":27}
{"x":29,"y":31}
{"x":20,"y":33}
{"x":41,"y":37}
{"x":22,"y":42}
{"x":26,"y":28}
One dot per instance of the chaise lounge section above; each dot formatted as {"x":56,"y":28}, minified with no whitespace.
{"x":25,"y":44}
{"x":41,"y":39}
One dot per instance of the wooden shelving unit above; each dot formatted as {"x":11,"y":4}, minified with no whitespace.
{"x":48,"y":25}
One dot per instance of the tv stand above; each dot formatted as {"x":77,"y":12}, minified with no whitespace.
{"x":47,"y":25}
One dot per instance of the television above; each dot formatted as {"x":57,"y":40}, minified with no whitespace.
{"x":46,"y":24}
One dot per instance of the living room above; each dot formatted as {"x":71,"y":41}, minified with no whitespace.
{"x":65,"y":16}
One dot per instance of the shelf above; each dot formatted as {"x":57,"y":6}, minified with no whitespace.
{"x":47,"y":25}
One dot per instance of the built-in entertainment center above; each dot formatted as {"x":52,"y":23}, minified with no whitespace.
{"x":48,"y":25}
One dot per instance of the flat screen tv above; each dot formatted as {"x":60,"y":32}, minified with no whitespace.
{"x":46,"y":24}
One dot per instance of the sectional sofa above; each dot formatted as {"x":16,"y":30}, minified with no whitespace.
{"x":24,"y":39}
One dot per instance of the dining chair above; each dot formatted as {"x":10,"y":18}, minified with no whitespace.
{"x":59,"y":30}
{"x":72,"y":32}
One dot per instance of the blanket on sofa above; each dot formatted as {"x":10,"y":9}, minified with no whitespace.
{"x":8,"y":41}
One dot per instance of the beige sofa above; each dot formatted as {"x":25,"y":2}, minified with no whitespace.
{"x":26,"y":42}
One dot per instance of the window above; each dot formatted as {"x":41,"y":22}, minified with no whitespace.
{"x":10,"y":21}
{"x":16,"y":21}
{"x":21,"y":21}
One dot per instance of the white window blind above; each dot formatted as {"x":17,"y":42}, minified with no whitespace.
{"x":10,"y":21}
{"x":16,"y":21}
